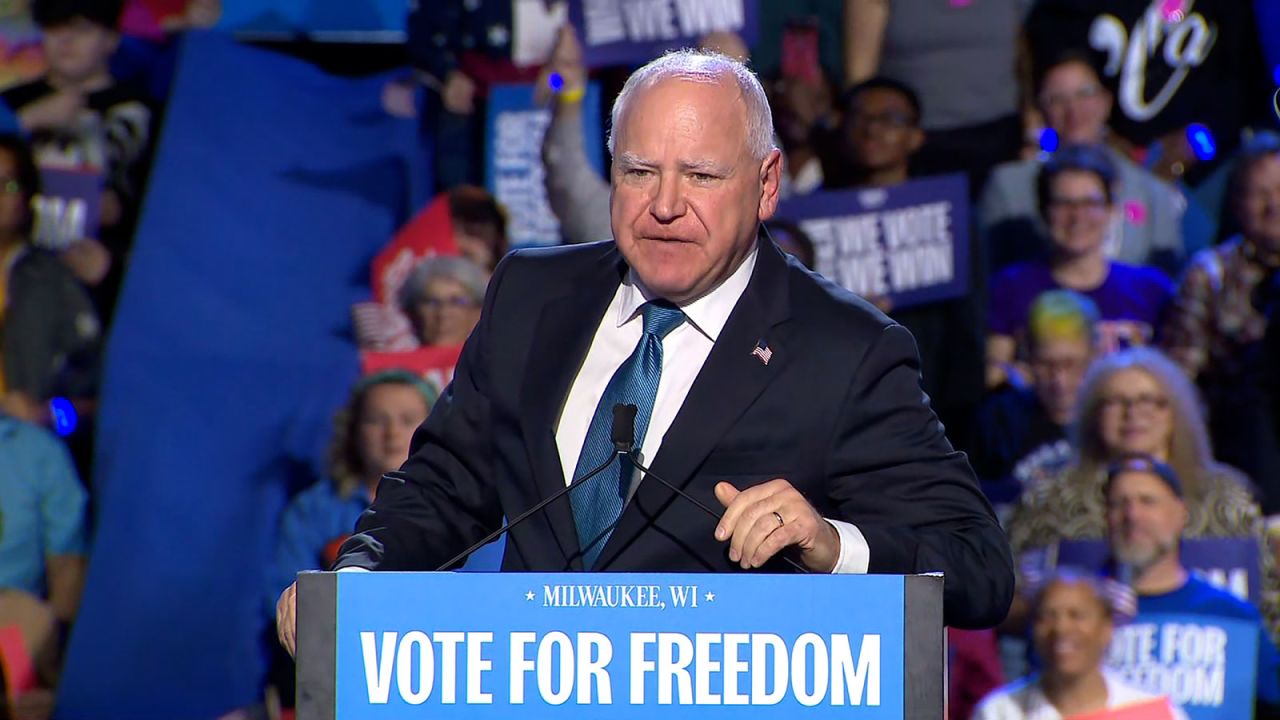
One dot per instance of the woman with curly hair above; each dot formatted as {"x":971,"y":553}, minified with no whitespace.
{"x":1139,"y":402}
{"x":371,"y":437}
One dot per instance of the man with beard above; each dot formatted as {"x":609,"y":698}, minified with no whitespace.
{"x":1145,"y":519}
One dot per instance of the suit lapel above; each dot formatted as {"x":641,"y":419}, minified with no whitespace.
{"x":560,"y":343}
{"x":729,"y":381}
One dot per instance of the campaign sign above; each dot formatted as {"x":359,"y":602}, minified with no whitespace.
{"x":908,"y":243}
{"x":579,"y":645}
{"x":1205,"y":664}
{"x":632,"y":32}
{"x":1232,"y":564}
{"x":513,"y":159}
{"x":67,"y":208}
{"x":435,"y":364}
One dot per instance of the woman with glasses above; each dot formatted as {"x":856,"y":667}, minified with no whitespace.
{"x":442,"y":299}
{"x":1075,"y":191}
{"x":1138,"y":402}
{"x":1075,"y":107}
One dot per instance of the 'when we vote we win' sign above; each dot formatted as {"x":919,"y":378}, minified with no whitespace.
{"x":908,"y":243}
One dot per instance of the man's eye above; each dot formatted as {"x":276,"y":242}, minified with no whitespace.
{"x":703,"y":177}
{"x":639,"y":172}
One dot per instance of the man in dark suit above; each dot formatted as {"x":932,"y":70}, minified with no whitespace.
{"x":761,"y":388}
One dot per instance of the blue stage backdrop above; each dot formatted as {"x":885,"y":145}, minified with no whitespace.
{"x":273,"y":186}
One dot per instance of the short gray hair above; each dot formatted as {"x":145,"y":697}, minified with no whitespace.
{"x":705,"y":67}
{"x":458,"y":269}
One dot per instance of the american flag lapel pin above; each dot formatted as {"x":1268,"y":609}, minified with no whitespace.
{"x":762,"y":352}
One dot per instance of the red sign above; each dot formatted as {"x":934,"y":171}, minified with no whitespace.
{"x":429,"y":233}
{"x":433,"y":363}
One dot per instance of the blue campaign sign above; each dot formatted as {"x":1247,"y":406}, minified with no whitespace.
{"x":1232,"y":564}
{"x":908,"y":243}
{"x":502,"y":645}
{"x":1205,"y":664}
{"x":514,"y":172}
{"x":631,"y":32}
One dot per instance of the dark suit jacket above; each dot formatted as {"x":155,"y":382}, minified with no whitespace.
{"x":838,"y":411}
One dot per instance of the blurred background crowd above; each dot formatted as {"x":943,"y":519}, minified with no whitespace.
{"x":242,"y":242}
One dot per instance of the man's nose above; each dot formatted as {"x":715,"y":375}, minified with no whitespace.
{"x":668,"y":204}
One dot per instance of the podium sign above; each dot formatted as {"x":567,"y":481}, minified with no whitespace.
{"x":592,"y":645}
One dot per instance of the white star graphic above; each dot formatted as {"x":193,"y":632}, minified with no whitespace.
{"x":528,"y":595}
{"x":711,"y":597}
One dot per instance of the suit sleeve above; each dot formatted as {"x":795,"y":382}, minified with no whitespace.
{"x":896,"y":477}
{"x":443,"y":498}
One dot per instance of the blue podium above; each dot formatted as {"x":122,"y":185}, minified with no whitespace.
{"x":621,"y":646}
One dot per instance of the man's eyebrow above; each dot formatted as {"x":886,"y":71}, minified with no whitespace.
{"x":709,"y":167}
{"x":631,"y":160}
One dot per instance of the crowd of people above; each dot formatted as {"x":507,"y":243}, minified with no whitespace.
{"x":1113,"y":373}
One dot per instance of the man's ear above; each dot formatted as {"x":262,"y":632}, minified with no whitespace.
{"x":770,"y":183}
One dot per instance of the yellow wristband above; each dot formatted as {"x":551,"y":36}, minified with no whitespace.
{"x":573,"y":95}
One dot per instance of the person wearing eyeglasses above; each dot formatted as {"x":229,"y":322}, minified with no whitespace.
{"x":1139,"y":402}
{"x":1076,"y":193}
{"x":1076,"y":106}
{"x":878,"y":138}
{"x":442,"y":299}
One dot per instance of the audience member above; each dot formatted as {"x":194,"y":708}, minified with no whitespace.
{"x":43,"y":543}
{"x":1072,"y":624}
{"x":1076,"y":107}
{"x":442,"y":299}
{"x":460,"y":48}
{"x":802,"y":113}
{"x":880,"y":133}
{"x":78,"y":116}
{"x":479,"y":225}
{"x":962,"y":59}
{"x":1075,"y":191}
{"x":49,"y":331}
{"x":371,"y":437}
{"x":1021,"y":428}
{"x":1215,"y":329}
{"x":577,"y":194}
{"x":1138,"y":402}
{"x":43,"y":546}
{"x":1146,"y":518}
{"x":1172,"y":64}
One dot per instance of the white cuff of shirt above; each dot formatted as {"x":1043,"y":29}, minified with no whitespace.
{"x":855,"y":554}
{"x":353,"y":568}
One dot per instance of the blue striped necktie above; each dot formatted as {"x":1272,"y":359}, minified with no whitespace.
{"x":597,"y":505}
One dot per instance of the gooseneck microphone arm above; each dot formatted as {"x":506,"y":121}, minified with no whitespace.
{"x":624,"y":419}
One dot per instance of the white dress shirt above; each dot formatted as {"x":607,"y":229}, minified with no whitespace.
{"x":684,"y":351}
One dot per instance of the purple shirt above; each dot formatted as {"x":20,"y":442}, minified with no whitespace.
{"x":1131,"y":301}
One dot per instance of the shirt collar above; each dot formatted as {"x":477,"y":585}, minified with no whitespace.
{"x":708,"y":313}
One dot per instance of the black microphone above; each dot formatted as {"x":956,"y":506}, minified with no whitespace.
{"x":624,"y":433}
{"x":614,"y":434}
